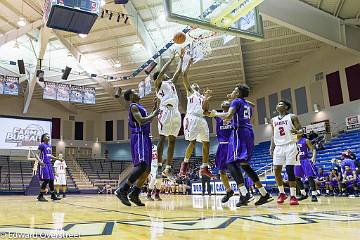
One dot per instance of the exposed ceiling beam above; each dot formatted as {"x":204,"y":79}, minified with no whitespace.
{"x":312,"y":22}
{"x":15,"y":33}
{"x":139,"y":24}
{"x":353,"y":21}
{"x":89,"y":67}
{"x":43,"y":40}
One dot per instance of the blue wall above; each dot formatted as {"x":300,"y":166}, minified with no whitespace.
{"x":122,"y":151}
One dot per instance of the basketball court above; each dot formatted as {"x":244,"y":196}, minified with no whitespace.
{"x":71,"y":72}
{"x":179,"y":217}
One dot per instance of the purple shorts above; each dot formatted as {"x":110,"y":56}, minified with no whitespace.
{"x":46,"y":172}
{"x":141,"y":148}
{"x":221,"y":156}
{"x":305,"y":169}
{"x":241,"y":145}
{"x":333,"y":183}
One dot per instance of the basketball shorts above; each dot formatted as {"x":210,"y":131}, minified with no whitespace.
{"x":306,"y":169}
{"x":169,"y":121}
{"x":196,"y":128}
{"x":60,"y":179}
{"x":286,"y":154}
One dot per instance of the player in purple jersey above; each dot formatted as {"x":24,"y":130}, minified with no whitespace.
{"x":306,"y":169}
{"x":45,"y":170}
{"x":334,"y":181}
{"x":241,"y":144}
{"x":350,"y":180}
{"x":141,"y":148}
{"x":322,"y":180}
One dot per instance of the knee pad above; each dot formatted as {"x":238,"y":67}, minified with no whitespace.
{"x":236,"y":173}
{"x":251,"y":173}
{"x":290,"y":172}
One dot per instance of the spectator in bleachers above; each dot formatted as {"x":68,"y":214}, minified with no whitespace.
{"x":336,"y":164}
{"x":108,"y":188}
{"x":334,"y":182}
{"x":205,"y":180}
{"x":350,"y":181}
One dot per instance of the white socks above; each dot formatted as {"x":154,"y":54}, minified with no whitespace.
{"x":262,"y":191}
{"x":243,"y":190}
{"x":292,"y":191}
{"x":303,"y":192}
{"x":313,"y":193}
{"x":281,"y":189}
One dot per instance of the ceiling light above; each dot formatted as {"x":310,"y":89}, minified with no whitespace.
{"x":82,"y":35}
{"x":16,"y":45}
{"x":102,"y":3}
{"x":21,"y":22}
{"x":117,"y":64}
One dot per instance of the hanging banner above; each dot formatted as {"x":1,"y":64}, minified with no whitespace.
{"x":89,"y":95}
{"x":50,"y":90}
{"x":141,"y":89}
{"x":2,"y":84}
{"x":148,"y":85}
{"x":11,"y":85}
{"x":63,"y":92}
{"x":194,"y":52}
{"x":353,"y":122}
{"x":76,"y":94}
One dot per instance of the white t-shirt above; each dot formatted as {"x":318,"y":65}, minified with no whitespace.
{"x":60,"y":167}
{"x":282,"y":130}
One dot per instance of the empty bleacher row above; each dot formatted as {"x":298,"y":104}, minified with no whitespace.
{"x":15,"y":175}
{"x":101,"y":171}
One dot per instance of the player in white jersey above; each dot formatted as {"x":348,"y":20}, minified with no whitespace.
{"x":60,"y":175}
{"x":169,"y":119}
{"x":284,"y":150}
{"x":195,"y":125}
{"x":154,"y":184}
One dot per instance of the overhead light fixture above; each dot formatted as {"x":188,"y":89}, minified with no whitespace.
{"x":82,"y":35}
{"x":102,"y":13}
{"x":316,"y":108}
{"x":102,"y":3}
{"x":126,"y":19}
{"x":117,"y":64}
{"x":110,"y":16}
{"x":118,"y":18}
{"x":21,"y":22}
{"x":16,"y":45}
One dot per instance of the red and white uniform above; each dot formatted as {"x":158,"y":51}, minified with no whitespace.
{"x":195,"y":125}
{"x":60,"y":170}
{"x":286,"y":151}
{"x":154,"y":168}
{"x":169,"y":119}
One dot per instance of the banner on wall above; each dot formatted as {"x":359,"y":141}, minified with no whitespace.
{"x":11,"y":86}
{"x":353,"y":122}
{"x":319,"y":127}
{"x":89,"y":95}
{"x":63,"y":92}
{"x":76,"y":94}
{"x":50,"y":91}
{"x":141,"y":87}
{"x":148,"y":85}
{"x":19,"y":133}
{"x":217,"y":187}
{"x":2,"y":84}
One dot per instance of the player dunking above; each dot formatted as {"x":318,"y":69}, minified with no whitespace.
{"x":195,"y":125}
{"x":283,"y":148}
{"x":140,"y":141}
{"x":169,"y":120}
{"x":60,"y":175}
{"x":154,"y":184}
{"x":306,"y":169}
{"x":241,"y":144}
{"x":45,"y":170}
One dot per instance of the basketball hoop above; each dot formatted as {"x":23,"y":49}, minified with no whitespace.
{"x":201,"y":39}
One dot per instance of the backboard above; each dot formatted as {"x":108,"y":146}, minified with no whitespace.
{"x":232,"y":17}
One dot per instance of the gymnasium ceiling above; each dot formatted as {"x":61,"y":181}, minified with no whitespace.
{"x":240,"y":60}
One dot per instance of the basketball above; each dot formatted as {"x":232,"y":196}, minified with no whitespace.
{"x":179,"y":38}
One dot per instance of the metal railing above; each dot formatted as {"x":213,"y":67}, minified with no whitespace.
{"x":265,"y":170}
{"x":82,"y":175}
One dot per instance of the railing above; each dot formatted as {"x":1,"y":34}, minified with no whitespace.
{"x":78,"y":169}
{"x":265,"y":170}
{"x":6,"y":184}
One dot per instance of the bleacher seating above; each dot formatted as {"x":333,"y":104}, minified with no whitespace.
{"x":16,"y":175}
{"x":100,"y":171}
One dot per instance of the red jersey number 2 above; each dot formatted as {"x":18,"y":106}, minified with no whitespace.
{"x":281,"y":131}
